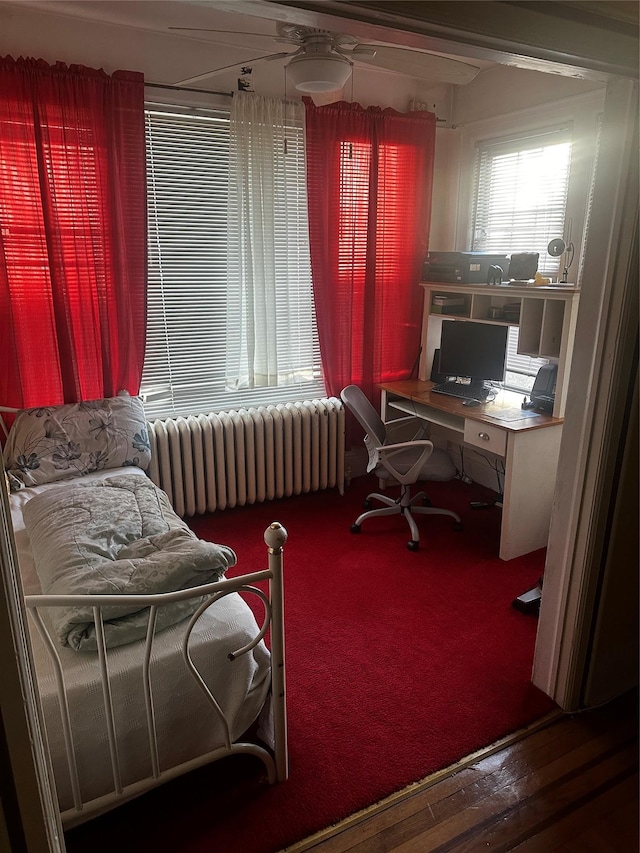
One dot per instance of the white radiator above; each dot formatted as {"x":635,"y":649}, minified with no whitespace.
{"x":227,"y":459}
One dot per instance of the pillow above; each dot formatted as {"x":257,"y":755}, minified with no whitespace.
{"x":59,"y":442}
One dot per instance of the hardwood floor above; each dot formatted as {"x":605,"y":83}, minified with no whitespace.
{"x":568,"y":786}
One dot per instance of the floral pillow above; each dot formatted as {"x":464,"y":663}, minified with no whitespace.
{"x":58,"y":442}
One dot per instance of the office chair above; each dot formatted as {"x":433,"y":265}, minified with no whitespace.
{"x":405,"y":462}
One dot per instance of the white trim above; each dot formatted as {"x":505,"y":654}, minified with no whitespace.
{"x":601,"y":339}
{"x":20,"y":706}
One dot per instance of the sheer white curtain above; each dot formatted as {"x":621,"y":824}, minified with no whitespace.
{"x":268,"y":245}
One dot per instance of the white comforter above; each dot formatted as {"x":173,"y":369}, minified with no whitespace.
{"x":116,"y":536}
{"x":187,"y":727}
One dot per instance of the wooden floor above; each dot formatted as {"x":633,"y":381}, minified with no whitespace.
{"x":570,"y":786}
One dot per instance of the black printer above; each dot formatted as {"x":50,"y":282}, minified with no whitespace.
{"x":463,"y":267}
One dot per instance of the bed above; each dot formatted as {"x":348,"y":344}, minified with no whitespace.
{"x":149,"y":661}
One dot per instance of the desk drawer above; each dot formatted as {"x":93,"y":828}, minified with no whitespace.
{"x":485,"y":436}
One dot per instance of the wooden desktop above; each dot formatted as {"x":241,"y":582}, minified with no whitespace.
{"x":528,"y":442}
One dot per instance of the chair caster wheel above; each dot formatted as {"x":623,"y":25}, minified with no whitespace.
{"x":413,"y":546}
{"x":457,"y":526}
{"x":355,"y":528}
{"x":366,"y":504}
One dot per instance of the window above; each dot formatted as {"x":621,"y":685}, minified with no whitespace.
{"x":521,"y":187}
{"x":189,"y":322}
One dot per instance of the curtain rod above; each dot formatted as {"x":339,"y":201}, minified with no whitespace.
{"x":186,"y":89}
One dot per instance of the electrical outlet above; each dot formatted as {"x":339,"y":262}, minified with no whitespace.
{"x":415,"y":106}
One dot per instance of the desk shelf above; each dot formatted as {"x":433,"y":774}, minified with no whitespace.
{"x":545,"y":316}
{"x":444,"y":419}
{"x":502,"y":308}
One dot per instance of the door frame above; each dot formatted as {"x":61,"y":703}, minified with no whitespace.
{"x":601,"y":373}
{"x":29,"y":817}
{"x":559,"y":664}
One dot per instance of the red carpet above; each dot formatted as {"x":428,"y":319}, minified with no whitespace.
{"x":398,"y":664}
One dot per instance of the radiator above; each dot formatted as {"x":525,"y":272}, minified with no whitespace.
{"x":227,"y":459}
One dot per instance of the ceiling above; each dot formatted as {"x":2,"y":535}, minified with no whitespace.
{"x":234,"y":33}
{"x":450,"y":42}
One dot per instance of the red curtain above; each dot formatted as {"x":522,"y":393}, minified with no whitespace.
{"x":370,"y":175}
{"x":73,"y":233}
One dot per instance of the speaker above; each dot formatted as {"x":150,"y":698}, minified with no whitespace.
{"x":523,"y":266}
{"x":436,"y":376}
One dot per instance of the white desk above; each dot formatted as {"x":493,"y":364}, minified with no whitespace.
{"x":528,"y":444}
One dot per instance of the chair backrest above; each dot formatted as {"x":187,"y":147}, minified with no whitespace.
{"x":359,"y":405}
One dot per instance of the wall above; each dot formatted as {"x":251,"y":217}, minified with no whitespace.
{"x":444,"y":207}
{"x":501,"y":94}
{"x":501,"y":90}
{"x":169,"y":58}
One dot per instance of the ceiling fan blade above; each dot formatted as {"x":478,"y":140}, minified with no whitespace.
{"x":415,"y":63}
{"x":359,"y":51}
{"x":223,"y":32}
{"x":215,"y":71}
{"x":266,"y":41}
{"x":284,"y":55}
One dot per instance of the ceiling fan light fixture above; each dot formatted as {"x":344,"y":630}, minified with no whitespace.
{"x":319,"y":73}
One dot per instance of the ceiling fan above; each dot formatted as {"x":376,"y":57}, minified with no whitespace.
{"x":323,"y":61}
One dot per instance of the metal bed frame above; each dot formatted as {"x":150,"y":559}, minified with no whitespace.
{"x":276,"y":762}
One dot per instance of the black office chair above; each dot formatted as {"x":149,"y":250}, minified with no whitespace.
{"x":404,"y":462}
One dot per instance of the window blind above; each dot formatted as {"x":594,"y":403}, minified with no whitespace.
{"x":188,"y":318}
{"x":521,"y":369}
{"x":521,"y":187}
{"x":521,"y":195}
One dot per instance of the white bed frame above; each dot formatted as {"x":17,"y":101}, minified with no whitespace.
{"x":276,"y":762}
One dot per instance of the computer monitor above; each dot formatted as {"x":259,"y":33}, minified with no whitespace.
{"x":477,"y":351}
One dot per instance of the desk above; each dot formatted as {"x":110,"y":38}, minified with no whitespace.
{"x":528,"y":443}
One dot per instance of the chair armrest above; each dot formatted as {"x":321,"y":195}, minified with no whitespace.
{"x":402,"y":425}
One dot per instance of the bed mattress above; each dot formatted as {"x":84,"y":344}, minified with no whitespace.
{"x":187,"y":726}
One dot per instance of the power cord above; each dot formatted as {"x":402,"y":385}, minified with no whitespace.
{"x":497,"y":501}
{"x":461,"y":474}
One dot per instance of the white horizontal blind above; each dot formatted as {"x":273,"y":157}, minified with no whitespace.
{"x":521,"y":195}
{"x":521,"y":187}
{"x":187,"y":315}
{"x":521,"y":369}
